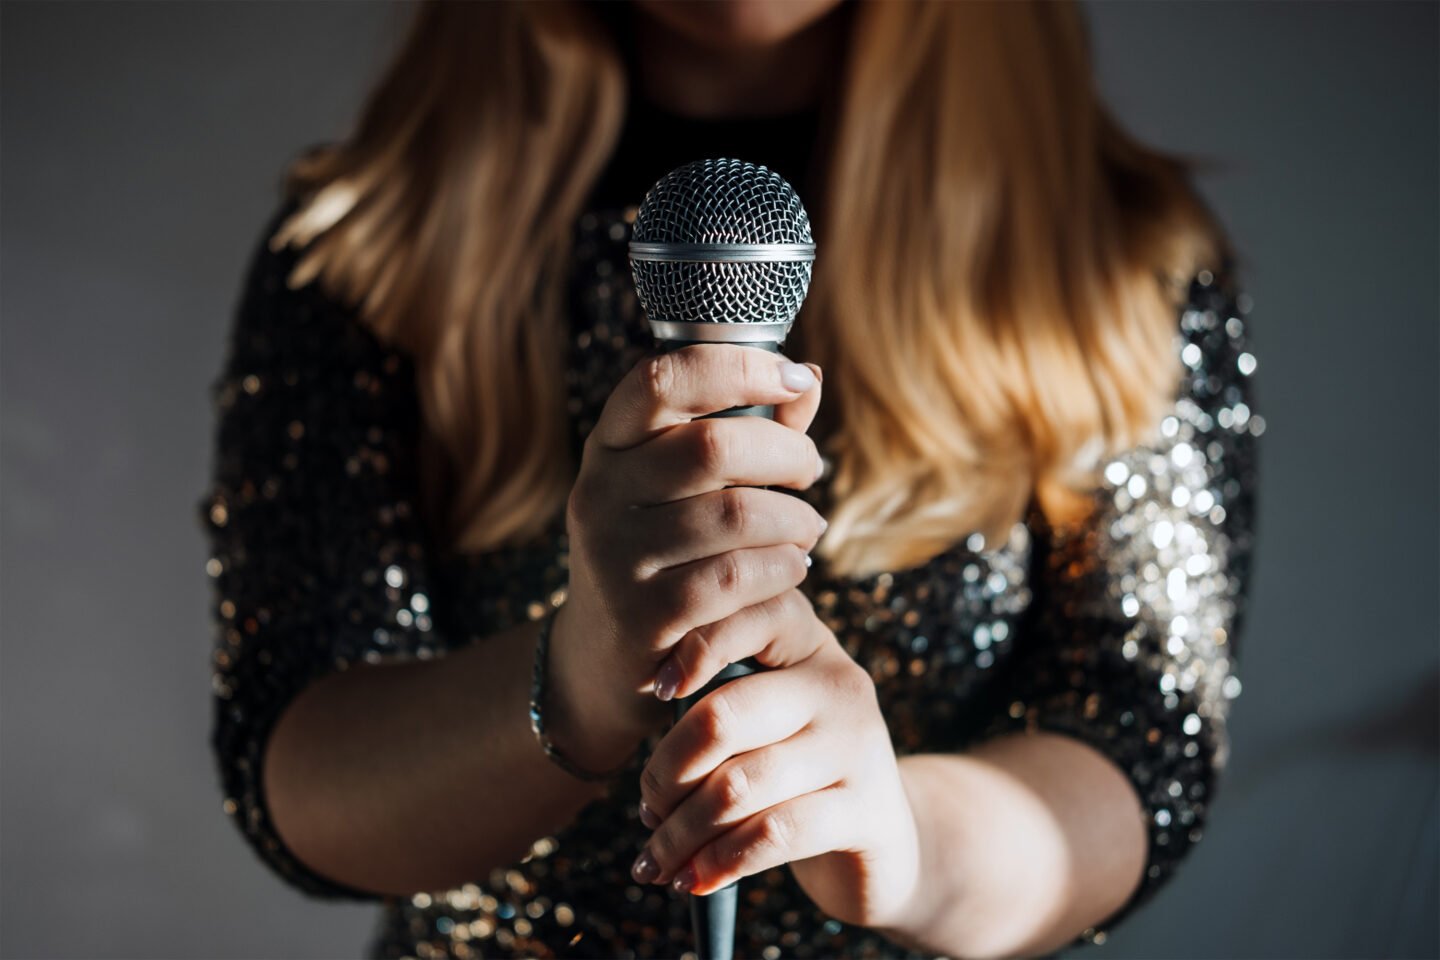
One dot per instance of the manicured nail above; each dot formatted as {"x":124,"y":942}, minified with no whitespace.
{"x":824,"y":525}
{"x":645,"y":868}
{"x":684,"y":881}
{"x":667,"y":680}
{"x":796,"y":376}
{"x":808,"y":561}
{"x":647,"y":816}
{"x":819,"y":467}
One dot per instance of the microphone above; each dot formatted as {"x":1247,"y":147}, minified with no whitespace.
{"x":721,"y":253}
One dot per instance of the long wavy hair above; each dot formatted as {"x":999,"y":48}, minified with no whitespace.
{"x":994,"y":307}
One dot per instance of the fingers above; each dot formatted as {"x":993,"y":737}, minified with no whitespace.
{"x":748,"y":713}
{"x":806,"y":826}
{"x":711,"y":589}
{"x":799,"y":413}
{"x":667,"y":389}
{"x":713,"y":454}
{"x":738,"y":789}
{"x":778,"y":633}
{"x":745,"y":714}
{"x":670,"y":534}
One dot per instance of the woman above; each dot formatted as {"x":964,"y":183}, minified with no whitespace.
{"x":451,"y":480}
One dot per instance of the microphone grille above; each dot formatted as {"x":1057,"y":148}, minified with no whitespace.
{"x":722,"y":201}
{"x":710,"y":203}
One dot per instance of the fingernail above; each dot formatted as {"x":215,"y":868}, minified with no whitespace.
{"x":645,"y":868}
{"x":684,"y":881}
{"x":647,"y":816}
{"x":819,"y":466}
{"x":808,"y":561}
{"x":667,"y":680}
{"x":824,"y":525}
{"x":796,"y":376}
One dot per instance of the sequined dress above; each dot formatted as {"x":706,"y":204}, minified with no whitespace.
{"x":1120,"y":632}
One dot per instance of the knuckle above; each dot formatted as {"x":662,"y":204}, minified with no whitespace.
{"x":578,"y":503}
{"x":776,"y":830}
{"x":657,"y":378}
{"x":662,"y":846}
{"x":697,"y":650}
{"x":787,"y":617}
{"x":717,"y":719}
{"x":593,"y":447}
{"x":794,"y":606}
{"x":650,"y":785}
{"x":713,"y":441}
{"x":735,"y":510}
{"x":853,"y":681}
{"x":735,"y":790}
{"x":773,"y":613}
{"x":769,"y":632}
{"x":728,"y":572}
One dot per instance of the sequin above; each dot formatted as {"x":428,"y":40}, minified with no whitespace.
{"x":1119,"y":631}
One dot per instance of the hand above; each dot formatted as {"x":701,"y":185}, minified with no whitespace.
{"x":792,"y":765}
{"x":669,"y":531}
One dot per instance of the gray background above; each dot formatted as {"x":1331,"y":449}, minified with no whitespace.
{"x":142,"y":146}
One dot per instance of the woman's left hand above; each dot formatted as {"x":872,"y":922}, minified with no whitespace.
{"x":790,"y":765}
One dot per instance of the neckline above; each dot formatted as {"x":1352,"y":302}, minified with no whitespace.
{"x":643,"y":107}
{"x":654,"y":140}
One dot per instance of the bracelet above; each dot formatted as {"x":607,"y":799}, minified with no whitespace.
{"x":537,"y":700}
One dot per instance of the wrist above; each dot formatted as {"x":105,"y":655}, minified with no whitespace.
{"x":914,"y":923}
{"x":584,"y":718}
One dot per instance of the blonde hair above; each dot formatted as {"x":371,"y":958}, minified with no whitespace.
{"x":990,"y":306}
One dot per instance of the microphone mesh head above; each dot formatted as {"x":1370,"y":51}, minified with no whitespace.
{"x":720,"y":202}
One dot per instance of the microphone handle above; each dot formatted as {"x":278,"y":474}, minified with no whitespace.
{"x":713,"y":916}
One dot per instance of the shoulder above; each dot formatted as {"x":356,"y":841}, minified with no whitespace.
{"x":269,"y":278}
{"x":281,"y":312}
{"x":267,"y":297}
{"x":1216,"y":355}
{"x":295,"y":351}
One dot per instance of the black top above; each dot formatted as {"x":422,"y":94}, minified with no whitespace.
{"x":1121,"y":633}
{"x":655,"y":141}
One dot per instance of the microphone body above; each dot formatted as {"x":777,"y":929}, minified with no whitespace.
{"x":721,"y":253}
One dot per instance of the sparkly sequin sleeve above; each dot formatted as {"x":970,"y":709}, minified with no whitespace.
{"x":314,"y":549}
{"x":1131,"y":640}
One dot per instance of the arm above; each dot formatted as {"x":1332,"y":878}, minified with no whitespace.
{"x":362,"y":748}
{"x":1101,"y":766}
{"x":1026,"y":841}
{"x":424,"y":775}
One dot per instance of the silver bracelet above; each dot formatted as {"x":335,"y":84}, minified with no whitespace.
{"x":537,"y":701}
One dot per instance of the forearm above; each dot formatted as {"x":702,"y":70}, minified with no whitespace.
{"x":1026,"y":841}
{"x":423,"y":775}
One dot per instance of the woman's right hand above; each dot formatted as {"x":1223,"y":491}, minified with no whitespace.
{"x":668,"y":530}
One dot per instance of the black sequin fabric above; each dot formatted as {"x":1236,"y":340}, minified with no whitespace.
{"x":1120,"y":632}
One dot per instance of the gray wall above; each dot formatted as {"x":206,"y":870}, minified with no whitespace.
{"x":141,"y":151}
